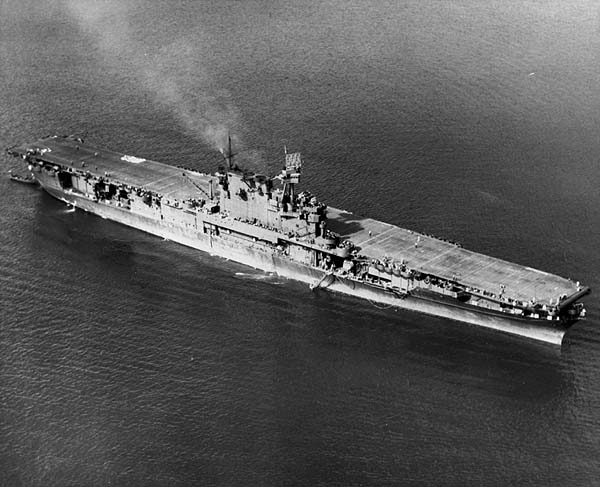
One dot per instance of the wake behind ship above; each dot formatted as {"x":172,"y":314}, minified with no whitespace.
{"x":264,"y":222}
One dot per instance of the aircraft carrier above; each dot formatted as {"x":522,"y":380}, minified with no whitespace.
{"x":266,"y":223}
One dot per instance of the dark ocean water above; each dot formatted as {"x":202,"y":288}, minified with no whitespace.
{"x":127,"y":360}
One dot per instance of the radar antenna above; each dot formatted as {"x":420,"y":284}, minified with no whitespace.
{"x":290,"y":175}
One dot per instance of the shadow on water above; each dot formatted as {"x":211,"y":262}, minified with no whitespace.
{"x":448,"y":346}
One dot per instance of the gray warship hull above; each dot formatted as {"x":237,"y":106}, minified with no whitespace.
{"x":231,"y":250}
{"x":217,"y":233}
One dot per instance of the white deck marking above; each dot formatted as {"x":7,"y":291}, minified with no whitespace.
{"x":438,"y":256}
{"x":376,"y":236}
{"x":161,"y":179}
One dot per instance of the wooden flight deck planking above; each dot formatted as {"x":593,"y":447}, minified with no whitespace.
{"x":146,"y":174}
{"x":447,"y":260}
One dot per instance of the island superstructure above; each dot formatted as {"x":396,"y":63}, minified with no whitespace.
{"x":266,"y":223}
